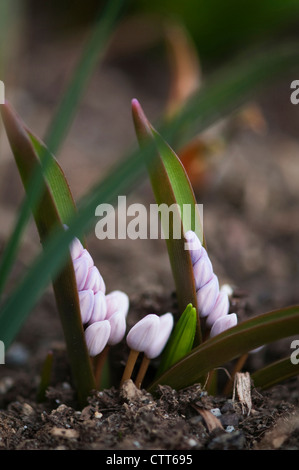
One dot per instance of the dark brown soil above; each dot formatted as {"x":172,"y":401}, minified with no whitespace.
{"x":251,"y":199}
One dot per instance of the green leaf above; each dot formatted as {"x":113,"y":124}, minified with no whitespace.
{"x":275,"y":373}
{"x":181,"y":340}
{"x":48,"y":216}
{"x":172,"y":188}
{"x":230,"y":344}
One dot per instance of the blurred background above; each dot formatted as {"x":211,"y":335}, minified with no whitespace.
{"x":244,"y":169}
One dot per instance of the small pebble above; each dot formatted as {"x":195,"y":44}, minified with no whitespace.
{"x":229,"y":428}
{"x":216,"y":412}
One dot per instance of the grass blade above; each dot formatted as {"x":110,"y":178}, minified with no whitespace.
{"x":91,"y":55}
{"x":93,"y":51}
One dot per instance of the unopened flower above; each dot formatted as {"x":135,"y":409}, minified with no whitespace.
{"x":220,"y":309}
{"x":207,"y":296}
{"x":90,"y":284}
{"x":99,"y":308}
{"x":213,"y":303}
{"x":223,"y":323}
{"x":156,"y":347}
{"x":193,"y":245}
{"x":118,"y":328}
{"x":143,"y":333}
{"x":97,"y":336}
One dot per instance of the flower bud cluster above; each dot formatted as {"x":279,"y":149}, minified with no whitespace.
{"x":103,"y":315}
{"x":212,"y":302}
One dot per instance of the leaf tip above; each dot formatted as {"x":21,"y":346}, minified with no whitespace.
{"x":141,"y":123}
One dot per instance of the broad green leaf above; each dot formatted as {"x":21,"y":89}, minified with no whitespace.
{"x":48,"y":216}
{"x":230,"y":344}
{"x":275,"y":373}
{"x":172,"y":188}
{"x":181,"y":340}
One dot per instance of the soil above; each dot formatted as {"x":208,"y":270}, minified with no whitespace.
{"x":249,"y":188}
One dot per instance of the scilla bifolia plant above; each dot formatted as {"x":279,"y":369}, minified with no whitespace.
{"x":200,"y":339}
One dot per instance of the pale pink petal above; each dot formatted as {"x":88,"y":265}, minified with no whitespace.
{"x":223,"y":324}
{"x":207,"y":296}
{"x":86,"y":255}
{"x":143,"y":333}
{"x":117,"y":301}
{"x":96,"y":337}
{"x":220,"y":309}
{"x":81,"y":272}
{"x":99,"y":309}
{"x":118,"y":328}
{"x":202,"y":270}
{"x":156,"y":347}
{"x":86,"y":298}
{"x":194,"y":246}
{"x":94,"y":280}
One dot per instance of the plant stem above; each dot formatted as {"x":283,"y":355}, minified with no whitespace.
{"x":130,"y":365}
{"x":142,"y":371}
{"x":45,"y":377}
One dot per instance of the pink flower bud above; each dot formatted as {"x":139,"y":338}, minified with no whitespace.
{"x":193,"y":245}
{"x":118,"y":328}
{"x":81,"y":272}
{"x":223,"y":323}
{"x":155,"y":348}
{"x":207,"y":296}
{"x":220,"y":309}
{"x":96,"y":337}
{"x":94,"y":280}
{"x":86,"y":255}
{"x":76,"y":249}
{"x":202,"y":270}
{"x":143,"y":333}
{"x":117,"y":301}
{"x":99,"y":308}
{"x":86,"y":298}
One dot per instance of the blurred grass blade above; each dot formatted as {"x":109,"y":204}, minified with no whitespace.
{"x":55,"y":253}
{"x":275,"y":373}
{"x":172,"y":188}
{"x":48,"y":215}
{"x":230,"y":87}
{"x":230,"y":344}
{"x":93,"y":51}
{"x":181,"y":340}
